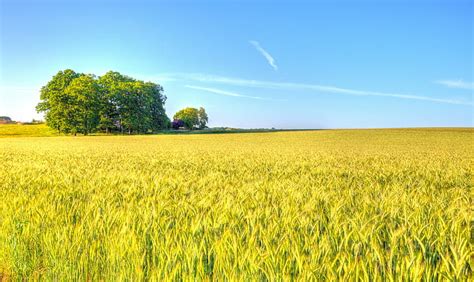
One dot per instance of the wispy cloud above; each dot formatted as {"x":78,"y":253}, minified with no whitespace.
{"x":456,"y":84}
{"x":225,"y":93}
{"x":267,"y":55}
{"x":311,"y":87}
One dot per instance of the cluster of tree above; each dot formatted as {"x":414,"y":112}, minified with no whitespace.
{"x":190,"y":118}
{"x":5,"y":120}
{"x":82,"y":103}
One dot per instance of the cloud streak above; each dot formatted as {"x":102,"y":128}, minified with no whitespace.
{"x":314,"y":87}
{"x":223,"y":92}
{"x":265,"y":54}
{"x":456,"y":84}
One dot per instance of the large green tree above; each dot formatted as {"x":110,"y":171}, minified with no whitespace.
{"x":84,"y":108}
{"x":55,"y":101}
{"x":159,"y":119}
{"x":111,"y":85}
{"x":132,"y":105}
{"x":77,"y":103}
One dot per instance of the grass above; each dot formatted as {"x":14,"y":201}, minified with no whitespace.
{"x":41,"y":130}
{"x":313,"y":205}
{"x":26,"y":130}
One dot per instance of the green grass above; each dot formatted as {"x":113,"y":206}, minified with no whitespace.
{"x":26,"y":130}
{"x":41,"y":130}
{"x":311,"y":205}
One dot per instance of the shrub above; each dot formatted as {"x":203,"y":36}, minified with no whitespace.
{"x":177,"y":123}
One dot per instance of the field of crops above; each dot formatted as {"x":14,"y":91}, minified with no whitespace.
{"x":339,"y":204}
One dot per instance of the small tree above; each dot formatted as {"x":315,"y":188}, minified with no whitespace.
{"x":190,"y":117}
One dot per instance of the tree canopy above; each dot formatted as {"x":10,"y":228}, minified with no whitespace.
{"x":82,"y":114}
{"x":192,"y":118}
{"x":80,"y":103}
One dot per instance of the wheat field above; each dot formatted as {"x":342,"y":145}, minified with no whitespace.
{"x":378,"y":205}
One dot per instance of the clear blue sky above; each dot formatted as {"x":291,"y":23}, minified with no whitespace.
{"x":318,"y":64}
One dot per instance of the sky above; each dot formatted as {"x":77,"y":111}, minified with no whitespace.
{"x":255,"y":64}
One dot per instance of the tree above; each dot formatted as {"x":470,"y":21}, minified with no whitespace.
{"x":132,"y":105}
{"x":159,"y":119}
{"x":112,"y":89}
{"x":54,"y":100}
{"x":203,"y":118}
{"x":78,"y":103}
{"x":5,"y":120}
{"x":192,"y":117}
{"x":189,"y":116}
{"x":83,"y":111}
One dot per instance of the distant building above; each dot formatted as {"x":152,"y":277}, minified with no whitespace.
{"x":5,"y":120}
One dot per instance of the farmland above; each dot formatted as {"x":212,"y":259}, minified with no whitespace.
{"x":29,"y":130}
{"x":380,"y":204}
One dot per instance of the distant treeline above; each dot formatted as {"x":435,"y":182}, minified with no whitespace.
{"x":84,"y":103}
{"x":5,"y":120}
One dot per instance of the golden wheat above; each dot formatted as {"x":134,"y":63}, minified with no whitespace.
{"x":320,"y":205}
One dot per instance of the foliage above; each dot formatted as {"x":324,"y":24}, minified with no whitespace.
{"x":55,"y":101}
{"x":348,"y":205}
{"x":192,"y":117}
{"x":114,"y":102}
{"x":83,"y":108}
{"x":189,"y":116}
{"x":203,"y":118}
